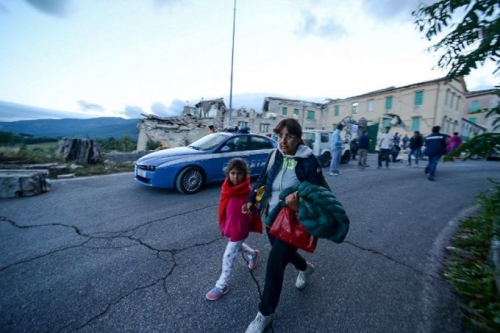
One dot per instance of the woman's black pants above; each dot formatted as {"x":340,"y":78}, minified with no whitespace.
{"x":281,"y":254}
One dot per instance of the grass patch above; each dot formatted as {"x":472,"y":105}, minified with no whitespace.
{"x":468,"y":268}
{"x":15,"y":156}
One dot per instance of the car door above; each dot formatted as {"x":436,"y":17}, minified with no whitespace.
{"x":235,"y":146}
{"x":259,"y":148}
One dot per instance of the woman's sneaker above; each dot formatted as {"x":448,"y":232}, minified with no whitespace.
{"x":259,"y":324}
{"x":216,"y":293}
{"x":254,"y":260}
{"x":303,"y":275}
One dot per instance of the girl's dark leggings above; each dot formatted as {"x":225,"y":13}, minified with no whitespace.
{"x":281,"y":254}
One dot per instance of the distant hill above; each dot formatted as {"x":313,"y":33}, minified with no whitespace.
{"x":92,"y":128}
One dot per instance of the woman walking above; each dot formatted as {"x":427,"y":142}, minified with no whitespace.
{"x":292,"y":163}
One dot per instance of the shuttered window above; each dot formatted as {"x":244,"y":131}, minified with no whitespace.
{"x":419,"y":97}
{"x":388,"y":103}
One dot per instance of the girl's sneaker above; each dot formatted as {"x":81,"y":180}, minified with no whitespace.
{"x":216,"y":293}
{"x":252,"y":264}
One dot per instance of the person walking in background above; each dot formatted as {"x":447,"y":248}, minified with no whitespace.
{"x":211,"y":129}
{"x":336,"y":147}
{"x":364,"y":145}
{"x":234,"y":224}
{"x":406,"y":141}
{"x":354,"y":148}
{"x":435,"y":147}
{"x":454,"y":143}
{"x":292,"y":163}
{"x":384,"y":150}
{"x":416,"y":143}
{"x":397,"y":140}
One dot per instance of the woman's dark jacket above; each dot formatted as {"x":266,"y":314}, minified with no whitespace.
{"x":307,"y":169}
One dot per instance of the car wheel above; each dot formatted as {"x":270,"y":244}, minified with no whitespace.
{"x":190,"y":180}
{"x":346,"y":157}
{"x":325,"y":159}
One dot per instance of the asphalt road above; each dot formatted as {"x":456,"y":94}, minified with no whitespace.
{"x":104,"y":254}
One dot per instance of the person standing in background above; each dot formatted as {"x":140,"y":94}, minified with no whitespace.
{"x":416,"y":143}
{"x":354,"y":146}
{"x":385,"y":146}
{"x":406,"y":140}
{"x":336,"y":147}
{"x":211,"y":129}
{"x":454,"y":143}
{"x":363,"y":144}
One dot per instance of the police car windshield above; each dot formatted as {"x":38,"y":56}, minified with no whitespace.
{"x":208,"y":142}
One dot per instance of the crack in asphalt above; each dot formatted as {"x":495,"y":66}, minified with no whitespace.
{"x":112,"y":235}
{"x":391,"y":259}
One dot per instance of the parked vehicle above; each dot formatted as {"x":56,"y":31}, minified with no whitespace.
{"x":188,"y":169}
{"x":319,"y":142}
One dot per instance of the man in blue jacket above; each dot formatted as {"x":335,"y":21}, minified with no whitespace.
{"x":435,"y":147}
{"x":336,"y":145}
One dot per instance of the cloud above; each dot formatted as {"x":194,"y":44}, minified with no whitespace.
{"x":14,"y":112}
{"x":3,"y":9}
{"x":161,"y":3}
{"x":323,"y":27}
{"x":392,"y":9}
{"x":84,"y":106}
{"x":59,"y":8}
{"x":133,"y":111}
{"x":174,"y":110}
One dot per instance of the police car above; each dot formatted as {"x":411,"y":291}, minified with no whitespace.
{"x":188,"y":169}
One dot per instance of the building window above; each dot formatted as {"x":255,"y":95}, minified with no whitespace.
{"x":457,"y":105}
{"x":336,"y":110}
{"x":355,"y":107}
{"x":415,"y":124}
{"x":242,"y":124}
{"x":472,"y":119}
{"x":474,"y":106}
{"x":296,"y":112}
{"x":419,"y":97}
{"x":264,"y":128}
{"x":387,"y":123}
{"x":370,"y":105}
{"x":388,"y":103}
{"x":310,"y":114}
{"x":284,"y":110}
{"x":447,"y":97}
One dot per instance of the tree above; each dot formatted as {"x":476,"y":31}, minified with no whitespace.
{"x":468,"y":43}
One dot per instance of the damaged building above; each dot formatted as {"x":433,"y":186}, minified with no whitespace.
{"x":193,"y":123}
{"x":414,"y":107}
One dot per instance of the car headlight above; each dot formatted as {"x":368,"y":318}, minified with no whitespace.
{"x":146,"y":167}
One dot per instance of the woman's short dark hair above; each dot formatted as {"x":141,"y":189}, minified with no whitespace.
{"x":292,"y":125}
{"x":238,"y":164}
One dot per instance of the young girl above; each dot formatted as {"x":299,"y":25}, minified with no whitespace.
{"x":234,"y":224}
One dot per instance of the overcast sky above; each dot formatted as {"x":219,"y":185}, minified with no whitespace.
{"x":127,"y":57}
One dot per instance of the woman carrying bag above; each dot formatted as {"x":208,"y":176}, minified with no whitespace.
{"x":292,"y":164}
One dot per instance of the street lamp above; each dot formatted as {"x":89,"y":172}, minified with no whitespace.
{"x":232,"y":61}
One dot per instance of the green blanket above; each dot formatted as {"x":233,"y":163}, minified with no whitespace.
{"x":319,"y":212}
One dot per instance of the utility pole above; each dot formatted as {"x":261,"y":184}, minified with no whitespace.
{"x":232,"y":61}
